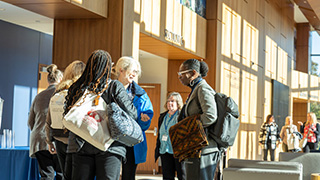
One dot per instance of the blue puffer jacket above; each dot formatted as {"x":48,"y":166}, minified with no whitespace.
{"x":143,"y":105}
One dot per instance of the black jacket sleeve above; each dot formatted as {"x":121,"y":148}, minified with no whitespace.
{"x":117,"y":93}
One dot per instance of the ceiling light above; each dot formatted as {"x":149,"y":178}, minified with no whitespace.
{"x":2,"y":9}
{"x":37,"y":21}
{"x":305,"y":2}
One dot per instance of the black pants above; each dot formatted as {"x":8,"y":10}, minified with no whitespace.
{"x":265,"y":152}
{"x":90,"y":162}
{"x":48,"y":165}
{"x":169,"y":166}
{"x":129,"y":167}
{"x":65,"y":159}
{"x":310,"y":146}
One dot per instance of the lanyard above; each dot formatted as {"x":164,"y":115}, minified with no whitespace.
{"x":166,"y":125}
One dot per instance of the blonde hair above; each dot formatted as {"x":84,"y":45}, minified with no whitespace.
{"x":71,"y":74}
{"x":176,"y":97}
{"x":313,"y":118}
{"x":126,"y":63}
{"x":54,"y":74}
{"x":288,"y":118}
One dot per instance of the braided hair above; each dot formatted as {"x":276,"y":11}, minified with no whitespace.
{"x":200,"y":66}
{"x":94,"y":78}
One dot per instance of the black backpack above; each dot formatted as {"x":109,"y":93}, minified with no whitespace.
{"x":224,"y":130}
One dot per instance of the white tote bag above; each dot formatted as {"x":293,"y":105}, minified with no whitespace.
{"x":56,"y":109}
{"x":89,"y":121}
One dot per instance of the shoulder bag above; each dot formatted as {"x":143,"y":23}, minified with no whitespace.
{"x":123,"y":127}
{"x":88,"y":120}
{"x":188,"y":138}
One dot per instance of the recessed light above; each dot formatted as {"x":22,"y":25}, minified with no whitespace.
{"x":305,"y":2}
{"x":37,"y":21}
{"x":2,"y":9}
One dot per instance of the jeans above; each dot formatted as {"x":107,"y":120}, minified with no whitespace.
{"x":91,"y":162}
{"x":265,"y":153}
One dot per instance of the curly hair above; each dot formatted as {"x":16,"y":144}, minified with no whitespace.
{"x":94,"y":78}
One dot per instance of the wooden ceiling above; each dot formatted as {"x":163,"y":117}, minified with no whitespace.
{"x":65,"y":9}
{"x":162,"y":49}
{"x":311,"y":10}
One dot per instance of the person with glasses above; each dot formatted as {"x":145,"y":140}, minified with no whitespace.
{"x":169,"y":164}
{"x":201,"y":101}
{"x":126,"y":70}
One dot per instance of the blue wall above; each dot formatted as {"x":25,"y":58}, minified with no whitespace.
{"x":21,"y":51}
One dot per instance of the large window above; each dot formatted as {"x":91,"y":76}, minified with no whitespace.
{"x":315,"y":54}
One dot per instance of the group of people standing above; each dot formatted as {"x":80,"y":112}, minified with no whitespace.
{"x":71,"y":157}
{"x":270,"y":136}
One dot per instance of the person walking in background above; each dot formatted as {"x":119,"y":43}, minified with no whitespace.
{"x":88,"y":161}
{"x":269,"y":137}
{"x":310,"y":130}
{"x":127,"y":69}
{"x":201,"y":100}
{"x":48,"y":163}
{"x":54,"y":127}
{"x":290,"y":136}
{"x":169,"y":164}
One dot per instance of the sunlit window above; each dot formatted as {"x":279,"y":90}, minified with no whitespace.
{"x":249,"y":98}
{"x":231,"y":33}
{"x":250,"y":45}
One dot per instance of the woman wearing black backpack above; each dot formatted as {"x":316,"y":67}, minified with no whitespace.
{"x":201,"y":100}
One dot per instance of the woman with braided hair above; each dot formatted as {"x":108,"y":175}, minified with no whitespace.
{"x":88,"y":161}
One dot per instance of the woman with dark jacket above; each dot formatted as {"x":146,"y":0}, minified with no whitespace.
{"x":269,"y":137}
{"x":310,"y":130}
{"x":48,"y":163}
{"x":88,"y":161}
{"x":127,"y":70}
{"x":200,"y":101}
{"x":169,"y":164}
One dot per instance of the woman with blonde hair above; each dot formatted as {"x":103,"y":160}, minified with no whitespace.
{"x":48,"y":163}
{"x":127,"y":70}
{"x":169,"y":164}
{"x":289,"y":136}
{"x":310,"y":130}
{"x":54,"y":128}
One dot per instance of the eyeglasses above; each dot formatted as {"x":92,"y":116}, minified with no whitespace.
{"x":182,"y":72}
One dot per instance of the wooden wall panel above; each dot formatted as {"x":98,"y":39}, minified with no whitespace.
{"x":78,"y":38}
{"x":299,"y":112}
{"x":302,"y":47}
{"x":64,"y":9}
{"x":174,"y":83}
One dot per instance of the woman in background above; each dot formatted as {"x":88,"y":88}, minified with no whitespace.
{"x":54,"y":127}
{"x":169,"y":164}
{"x":88,"y":161}
{"x":127,"y":69}
{"x":310,"y":130}
{"x":269,"y":137}
{"x":289,"y":135}
{"x":48,"y":163}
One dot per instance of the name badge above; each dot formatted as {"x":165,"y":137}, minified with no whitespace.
{"x":164,"y":138}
